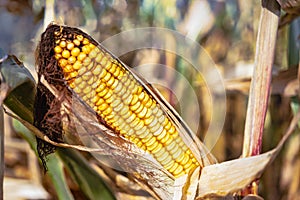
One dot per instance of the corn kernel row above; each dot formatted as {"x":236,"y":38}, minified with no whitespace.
{"x":107,"y":87}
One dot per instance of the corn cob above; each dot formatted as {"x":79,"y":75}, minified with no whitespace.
{"x":103,"y":83}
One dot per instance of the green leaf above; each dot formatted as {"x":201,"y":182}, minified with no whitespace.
{"x":84,"y":175}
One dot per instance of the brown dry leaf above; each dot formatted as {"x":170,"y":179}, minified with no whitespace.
{"x":231,"y":176}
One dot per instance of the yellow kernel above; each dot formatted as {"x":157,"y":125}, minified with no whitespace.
{"x":103,"y":61}
{"x":135,"y":106}
{"x":103,"y":92}
{"x":118,"y":107}
{"x":93,"y":54}
{"x":173,"y":150}
{"x":148,"y":103}
{"x":185,"y":159}
{"x":134,"y":100}
{"x":172,"y":130}
{"x":149,"y":113}
{"x":106,"y":77}
{"x":81,"y":56}
{"x":87,"y":90}
{"x":85,"y":41}
{"x":166,"y":161}
{"x":77,"y":65}
{"x":190,"y":168}
{"x":95,"y":84}
{"x":155,"y":109}
{"x":103,"y":73}
{"x":157,"y":148}
{"x":178,"y":170}
{"x":57,"y":56}
{"x":71,"y":59}
{"x":188,"y":164}
{"x":103,"y":106}
{"x":153,"y":146}
{"x":124,"y":110}
{"x":139,"y":125}
{"x":90,"y":66}
{"x":135,"y":122}
{"x":76,"y":42}
{"x":62,"y":62}
{"x":126,"y":96}
{"x":97,"y":70}
{"x":166,"y":140}
{"x":149,"y":120}
{"x":78,"y":80}
{"x":179,"y":158}
{"x":108,"y":94}
{"x":65,"y":54}
{"x":92,"y":46}
{"x":139,"y":109}
{"x":86,"y":61}
{"x":57,"y":49}
{"x":116,"y":103}
{"x":145,"y":137}
{"x":101,"y":87}
{"x":82,"y":70}
{"x":73,"y":74}
{"x":98,"y":58}
{"x":82,"y":85}
{"x":131,"y":118}
{"x":107,"y":111}
{"x":87,"y":75}
{"x":75,"y":52}
{"x":161,"y":119}
{"x":153,"y":123}
{"x":91,"y":79}
{"x":177,"y":154}
{"x":70,"y":46}
{"x":113,"y":68}
{"x":95,"y":99}
{"x":162,"y":135}
{"x":138,"y":143}
{"x":127,"y":82}
{"x":63,"y":44}
{"x":173,"y":168}
{"x":99,"y":102}
{"x":163,"y":157}
{"x":110,"y":81}
{"x":77,"y":90}
{"x":168,"y":124}
{"x":79,"y":37}
{"x":142,"y":133}
{"x":145,"y":98}
{"x":155,"y":128}
{"x":114,"y":85}
{"x":117,"y":70}
{"x":169,"y":165}
{"x":86,"y":49}
{"x":158,"y":131}
{"x":150,"y":142}
{"x":142,"y":96}
{"x":68,"y":68}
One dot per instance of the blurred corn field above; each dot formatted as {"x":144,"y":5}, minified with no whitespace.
{"x":227,"y":30}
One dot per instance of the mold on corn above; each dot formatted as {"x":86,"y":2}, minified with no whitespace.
{"x":107,"y":87}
